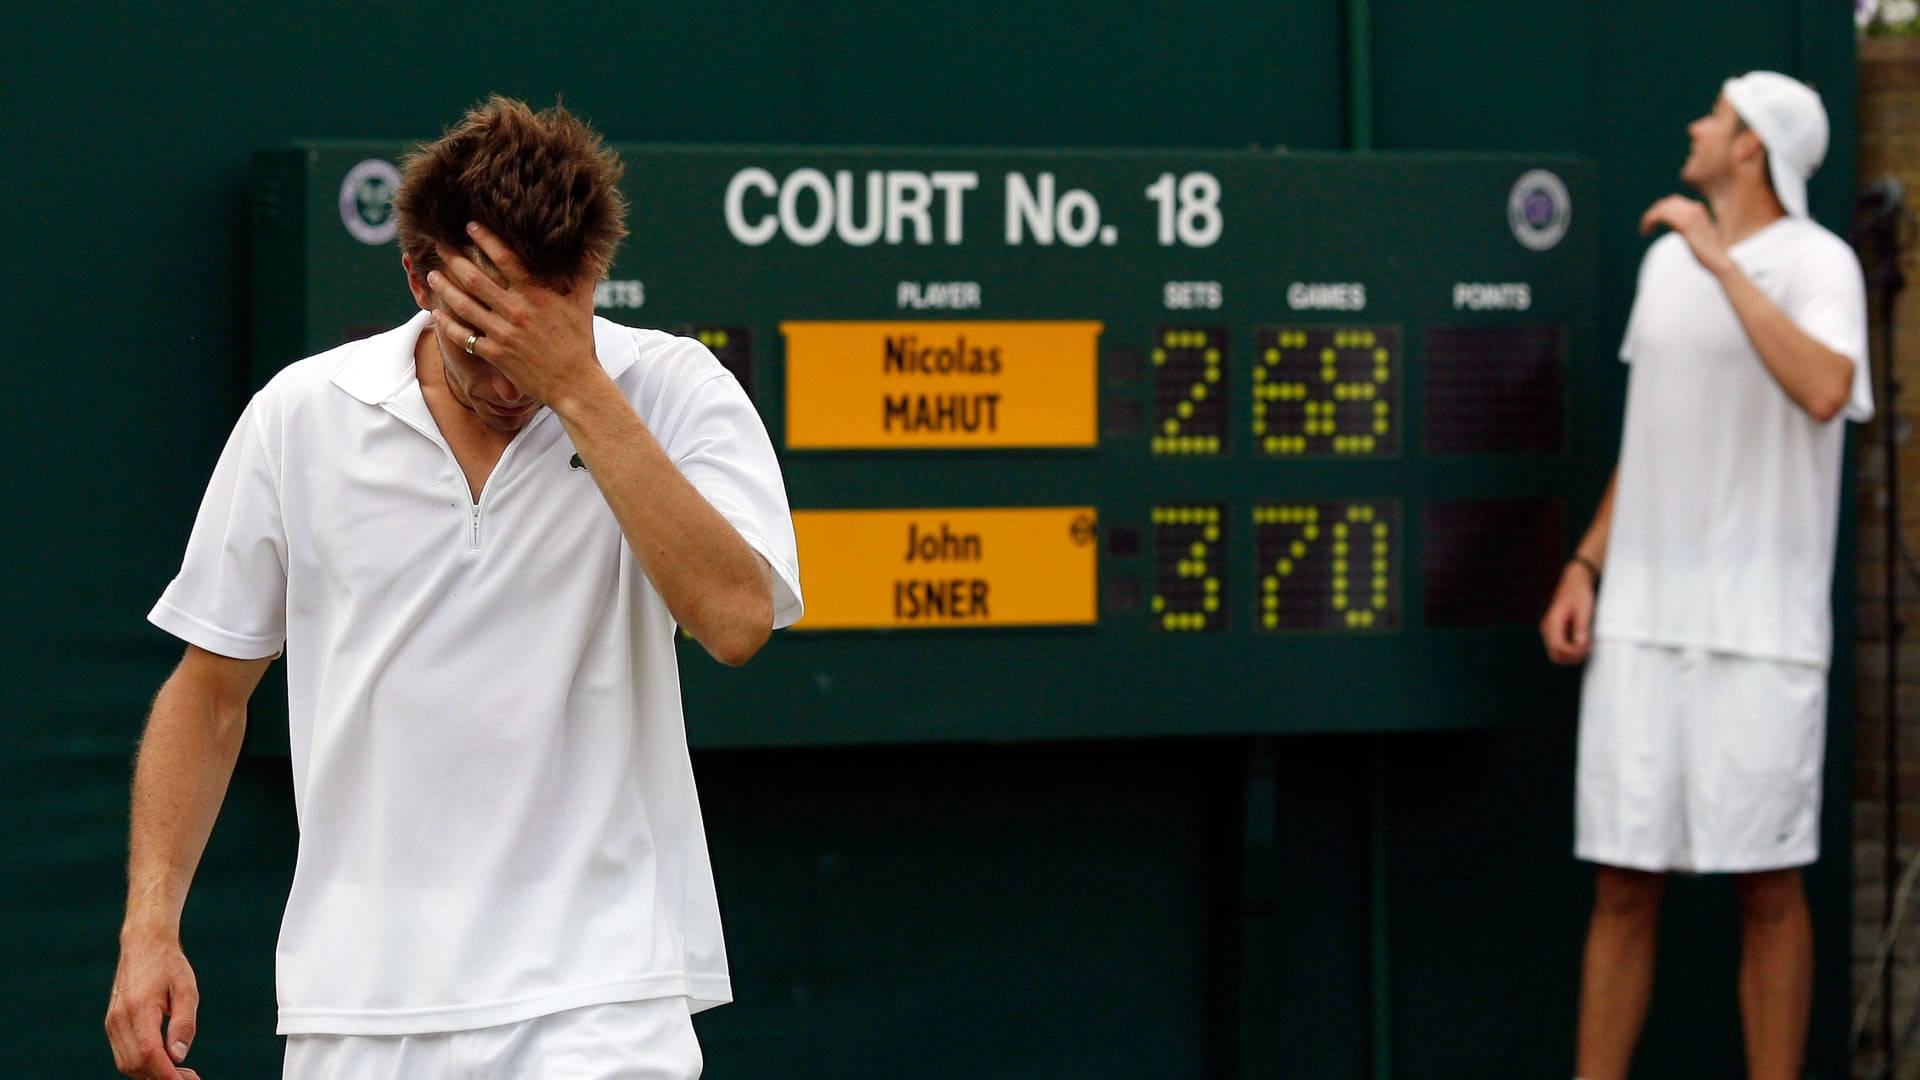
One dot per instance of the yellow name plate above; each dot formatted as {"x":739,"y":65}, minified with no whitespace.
{"x":932,"y":385}
{"x":894,"y":569}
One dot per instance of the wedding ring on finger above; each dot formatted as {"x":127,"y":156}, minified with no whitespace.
{"x":471,"y":338}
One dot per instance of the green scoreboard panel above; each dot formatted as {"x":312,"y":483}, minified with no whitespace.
{"x":1092,"y":443}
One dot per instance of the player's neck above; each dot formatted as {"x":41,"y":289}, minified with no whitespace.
{"x":1742,"y":209}
{"x":457,"y":422}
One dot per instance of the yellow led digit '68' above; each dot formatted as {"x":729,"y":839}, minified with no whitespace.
{"x":1326,"y":391}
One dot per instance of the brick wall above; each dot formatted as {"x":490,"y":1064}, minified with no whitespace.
{"x":1889,"y":121}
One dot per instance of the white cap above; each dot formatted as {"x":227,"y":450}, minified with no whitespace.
{"x":1792,"y":124}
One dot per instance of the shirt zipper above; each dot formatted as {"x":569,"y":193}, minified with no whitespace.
{"x":493,"y":478}
{"x":473,"y":507}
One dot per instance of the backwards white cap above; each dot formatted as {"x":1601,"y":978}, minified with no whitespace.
{"x":1792,"y":124}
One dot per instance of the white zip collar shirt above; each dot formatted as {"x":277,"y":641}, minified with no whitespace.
{"x":497,"y":810}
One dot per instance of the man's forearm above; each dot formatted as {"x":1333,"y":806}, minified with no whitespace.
{"x":1818,"y":379}
{"x":1593,"y":543}
{"x":192,"y":740}
{"x":713,"y":582}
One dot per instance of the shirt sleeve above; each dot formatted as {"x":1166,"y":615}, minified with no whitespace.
{"x":1629,"y":340}
{"x":1829,"y":301}
{"x":230,"y":596}
{"x":722,"y":448}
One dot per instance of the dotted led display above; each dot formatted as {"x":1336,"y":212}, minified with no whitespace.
{"x":1326,"y":391}
{"x":1495,"y":389}
{"x":1189,"y":568}
{"x":1326,"y":565}
{"x":1189,"y":390}
{"x":1491,"y":562}
{"x":731,"y":345}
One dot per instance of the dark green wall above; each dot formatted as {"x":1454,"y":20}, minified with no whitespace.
{"x":876,"y":897}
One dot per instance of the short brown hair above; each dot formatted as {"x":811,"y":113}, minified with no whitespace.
{"x":543,"y":181}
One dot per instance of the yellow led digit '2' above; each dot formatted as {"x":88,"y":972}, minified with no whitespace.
{"x":1190,"y":390}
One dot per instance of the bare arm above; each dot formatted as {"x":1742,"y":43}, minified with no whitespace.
{"x":717,"y":586}
{"x":713,"y":582}
{"x":186,"y":758}
{"x":1816,"y":378}
{"x":1567,"y":627}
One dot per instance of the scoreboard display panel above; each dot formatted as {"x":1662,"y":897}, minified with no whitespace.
{"x":1087,"y":443}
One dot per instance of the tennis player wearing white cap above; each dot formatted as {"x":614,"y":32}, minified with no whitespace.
{"x":1703,"y":711}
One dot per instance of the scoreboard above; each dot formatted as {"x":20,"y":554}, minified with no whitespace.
{"x":1092,"y":443}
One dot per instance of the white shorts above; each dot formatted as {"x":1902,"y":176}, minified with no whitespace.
{"x":627,"y":1040}
{"x":1698,"y":761}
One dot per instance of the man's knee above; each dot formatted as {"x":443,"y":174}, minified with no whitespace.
{"x":1769,"y":896}
{"x":1620,"y":893}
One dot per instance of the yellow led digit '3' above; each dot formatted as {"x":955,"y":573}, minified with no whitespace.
{"x":1189,"y":568}
{"x":1326,"y":391}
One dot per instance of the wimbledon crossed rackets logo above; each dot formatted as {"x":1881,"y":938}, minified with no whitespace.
{"x":366,"y":201}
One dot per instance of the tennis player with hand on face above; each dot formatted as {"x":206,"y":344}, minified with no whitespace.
{"x":473,"y":536}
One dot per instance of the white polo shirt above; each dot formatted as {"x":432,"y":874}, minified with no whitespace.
{"x":1728,"y":500}
{"x":497,"y":812}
